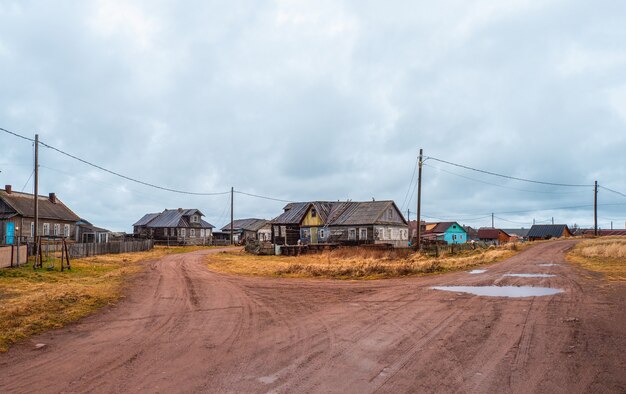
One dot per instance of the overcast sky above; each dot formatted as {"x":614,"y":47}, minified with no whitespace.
{"x":318,"y":100}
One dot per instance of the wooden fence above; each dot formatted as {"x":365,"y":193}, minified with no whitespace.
{"x":8,"y":255}
{"x":79,"y":250}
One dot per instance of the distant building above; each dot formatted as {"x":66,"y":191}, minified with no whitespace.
{"x":493,"y":235}
{"x":176,"y":226}
{"x":517,"y":234}
{"x":450,"y":232}
{"x":604,"y":233}
{"x":17,"y":217}
{"x":249,"y":230}
{"x":548,"y":231}
{"x":88,"y":233}
{"x":341,"y":222}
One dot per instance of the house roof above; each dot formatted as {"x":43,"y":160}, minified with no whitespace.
{"x":340,"y":213}
{"x":246,"y":224}
{"x":520,"y":232}
{"x":172,"y":218}
{"x":547,"y":230}
{"x":490,"y":233}
{"x":22,"y":203}
{"x":440,"y":227}
{"x":85,"y":224}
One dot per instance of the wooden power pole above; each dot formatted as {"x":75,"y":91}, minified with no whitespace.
{"x":36,"y":202}
{"x":419,"y":201}
{"x":595,"y":209}
{"x":232,"y":204}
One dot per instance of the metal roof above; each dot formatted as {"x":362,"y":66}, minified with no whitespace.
{"x":173,"y":218}
{"x":23,"y":203}
{"x":547,"y":230}
{"x":440,"y":227}
{"x":341,"y":213}
{"x":146,"y":219}
{"x":604,"y":233}
{"x":520,"y":232}
{"x":246,"y":224}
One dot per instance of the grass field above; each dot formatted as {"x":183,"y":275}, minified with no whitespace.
{"x":353,"y":263}
{"x":606,"y":255}
{"x":33,"y":301}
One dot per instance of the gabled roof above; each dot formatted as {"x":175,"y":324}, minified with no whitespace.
{"x":146,"y":219}
{"x":172,"y":218}
{"x":604,"y":233}
{"x":490,"y":233}
{"x":547,"y":230}
{"x":246,"y":224}
{"x":440,"y":227}
{"x":23,"y":203}
{"x":341,"y":213}
{"x":520,"y":232}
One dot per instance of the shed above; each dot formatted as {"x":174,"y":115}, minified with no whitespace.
{"x":547,"y":231}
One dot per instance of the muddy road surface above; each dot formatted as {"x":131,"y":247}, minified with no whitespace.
{"x":183,"y":328}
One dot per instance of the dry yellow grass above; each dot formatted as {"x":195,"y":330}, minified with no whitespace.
{"x":33,"y":301}
{"x":353,"y":263}
{"x":606,"y":255}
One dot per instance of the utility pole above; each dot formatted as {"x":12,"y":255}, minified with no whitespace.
{"x":533,"y":221}
{"x":36,"y":199}
{"x":552,"y":219}
{"x":419,"y":201}
{"x":611,"y":225}
{"x":595,"y":209}
{"x":232,"y":197}
{"x":492,"y":226}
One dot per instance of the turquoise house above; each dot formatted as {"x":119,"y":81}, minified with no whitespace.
{"x":450,"y":232}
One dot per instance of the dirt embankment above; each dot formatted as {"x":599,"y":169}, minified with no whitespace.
{"x":183,"y":328}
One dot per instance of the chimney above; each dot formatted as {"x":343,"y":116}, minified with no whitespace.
{"x":53,"y":198}
{"x":8,"y":189}
{"x":180,"y":209}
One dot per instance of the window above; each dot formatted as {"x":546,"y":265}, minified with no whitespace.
{"x":380,"y":233}
{"x":194,"y":219}
{"x":192,"y":233}
{"x":313,"y":212}
{"x":46,"y":229}
{"x":305,"y":233}
{"x":165,"y":232}
{"x":363,"y":233}
{"x":173,"y":232}
{"x":32,"y":229}
{"x":389,"y":234}
{"x":202,"y":233}
{"x":182,"y":232}
{"x":352,"y":233}
{"x":390,"y":213}
{"x":453,"y":236}
{"x":322,"y":233}
{"x":56,"y":229}
{"x":66,"y":230}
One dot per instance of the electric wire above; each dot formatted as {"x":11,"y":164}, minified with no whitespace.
{"x":612,"y":191}
{"x":408,"y":190}
{"x":507,"y":176}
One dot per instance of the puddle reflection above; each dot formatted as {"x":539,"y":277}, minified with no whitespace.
{"x":502,"y":291}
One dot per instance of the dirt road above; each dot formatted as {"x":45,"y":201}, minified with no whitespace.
{"x":183,"y":328}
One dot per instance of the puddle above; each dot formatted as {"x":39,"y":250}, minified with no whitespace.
{"x":530,"y":275}
{"x":502,"y":291}
{"x":476,"y":272}
{"x":268,"y":379}
{"x":549,"y":265}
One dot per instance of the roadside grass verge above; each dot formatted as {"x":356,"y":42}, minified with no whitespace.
{"x":32,"y":301}
{"x":355,"y":263}
{"x":606,"y":255}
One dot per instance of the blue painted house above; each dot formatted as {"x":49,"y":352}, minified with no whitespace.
{"x":450,"y":232}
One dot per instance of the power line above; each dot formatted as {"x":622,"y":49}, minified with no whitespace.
{"x":612,"y":191}
{"x":506,"y":176}
{"x":115,"y":173}
{"x":263,"y":197}
{"x":495,"y":184}
{"x":404,"y":202}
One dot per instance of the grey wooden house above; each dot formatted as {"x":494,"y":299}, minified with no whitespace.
{"x":176,"y":226}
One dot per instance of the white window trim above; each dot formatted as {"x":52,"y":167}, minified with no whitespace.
{"x":322,"y":233}
{"x":192,"y":233}
{"x":361,"y":231}
{"x":350,"y":231}
{"x":66,"y":230}
{"x":46,"y":229}
{"x":182,"y":232}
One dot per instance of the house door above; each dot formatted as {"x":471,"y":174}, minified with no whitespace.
{"x":10,"y":232}
{"x":313,"y":235}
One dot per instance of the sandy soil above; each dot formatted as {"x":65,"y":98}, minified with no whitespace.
{"x":183,"y":328}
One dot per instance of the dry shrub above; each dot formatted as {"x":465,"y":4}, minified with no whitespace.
{"x":603,"y":247}
{"x":606,"y":255}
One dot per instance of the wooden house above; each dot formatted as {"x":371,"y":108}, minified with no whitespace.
{"x":494,"y":236}
{"x":245,"y":230}
{"x":176,"y":226}
{"x":450,"y":232}
{"x":548,"y":231}
{"x":88,"y":233}
{"x":347,"y":223}
{"x":17,"y":217}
